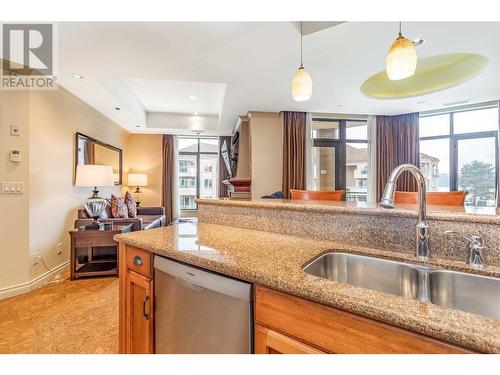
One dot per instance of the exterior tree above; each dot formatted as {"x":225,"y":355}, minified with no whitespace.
{"x":478,"y":178}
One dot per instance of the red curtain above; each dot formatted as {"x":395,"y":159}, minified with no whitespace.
{"x":294,"y":152}
{"x":397,"y":143}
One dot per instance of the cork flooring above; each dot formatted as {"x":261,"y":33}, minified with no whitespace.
{"x":78,"y":316}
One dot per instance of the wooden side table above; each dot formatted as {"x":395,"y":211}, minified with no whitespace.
{"x":94,"y":252}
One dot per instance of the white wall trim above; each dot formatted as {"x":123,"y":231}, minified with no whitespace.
{"x":37,"y":282}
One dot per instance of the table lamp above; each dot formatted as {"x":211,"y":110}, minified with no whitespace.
{"x":94,"y":176}
{"x":138,"y":180}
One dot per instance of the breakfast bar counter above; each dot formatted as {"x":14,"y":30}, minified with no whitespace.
{"x":276,"y":261}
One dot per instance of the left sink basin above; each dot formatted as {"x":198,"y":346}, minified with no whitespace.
{"x":387,"y":276}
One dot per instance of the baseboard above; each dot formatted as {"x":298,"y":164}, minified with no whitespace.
{"x":37,"y":282}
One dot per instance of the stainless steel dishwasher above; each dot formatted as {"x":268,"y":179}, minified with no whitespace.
{"x":201,"y":312}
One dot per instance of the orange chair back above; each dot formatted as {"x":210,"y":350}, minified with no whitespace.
{"x":446,"y":198}
{"x":308,"y":195}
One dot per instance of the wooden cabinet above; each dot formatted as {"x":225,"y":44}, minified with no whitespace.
{"x":136,"y":305}
{"x":283,"y":322}
{"x":268,"y":341}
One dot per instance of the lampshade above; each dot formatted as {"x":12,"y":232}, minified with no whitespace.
{"x":401,"y":60}
{"x":137,"y":179}
{"x":94,"y":175}
{"x":302,"y":85}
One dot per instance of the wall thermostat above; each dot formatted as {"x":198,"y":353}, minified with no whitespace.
{"x":15,"y":155}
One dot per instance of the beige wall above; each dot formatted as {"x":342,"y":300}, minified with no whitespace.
{"x":145,"y":157}
{"x":14,"y":230}
{"x":266,"y":156}
{"x":55,"y":117}
{"x":39,"y":219}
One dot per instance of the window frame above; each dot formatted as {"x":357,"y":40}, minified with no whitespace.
{"x":455,"y":138}
{"x":340,"y":145}
{"x":198,"y":167}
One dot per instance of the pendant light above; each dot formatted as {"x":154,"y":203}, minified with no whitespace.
{"x":302,"y":81}
{"x":401,"y":60}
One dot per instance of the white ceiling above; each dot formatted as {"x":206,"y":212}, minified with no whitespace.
{"x":178,"y":96}
{"x":232,"y":68}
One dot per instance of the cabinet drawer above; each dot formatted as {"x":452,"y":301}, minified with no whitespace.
{"x":337,"y":331}
{"x":140,"y":261}
{"x":268,"y":341}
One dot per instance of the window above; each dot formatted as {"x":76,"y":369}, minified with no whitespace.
{"x":459,"y":151}
{"x":187,"y":182}
{"x":198,"y":175}
{"x":435,"y":163}
{"x":326,"y":129}
{"x":187,"y":202}
{"x":340,"y":156}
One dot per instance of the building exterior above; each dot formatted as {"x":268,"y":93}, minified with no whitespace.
{"x":189,"y":174}
{"x":429,"y":165}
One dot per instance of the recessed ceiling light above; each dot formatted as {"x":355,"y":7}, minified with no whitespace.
{"x":77,"y":76}
{"x":196,"y":113}
{"x":421,"y":102}
{"x":418,"y":41}
{"x":340,"y":105}
{"x":192,"y":97}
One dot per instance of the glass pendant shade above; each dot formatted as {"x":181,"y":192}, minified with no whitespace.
{"x":401,"y":61}
{"x":302,"y":85}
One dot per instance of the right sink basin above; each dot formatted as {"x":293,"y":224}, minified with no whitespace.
{"x":466,"y":292}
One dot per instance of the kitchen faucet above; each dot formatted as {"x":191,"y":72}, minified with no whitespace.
{"x":423,"y":250}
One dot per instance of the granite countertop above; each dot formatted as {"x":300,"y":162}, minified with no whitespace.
{"x":487,"y":215}
{"x":275,"y":261}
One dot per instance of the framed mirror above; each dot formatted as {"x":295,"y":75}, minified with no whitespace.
{"x":91,"y":151}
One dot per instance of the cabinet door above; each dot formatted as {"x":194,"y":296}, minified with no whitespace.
{"x":139,"y":319}
{"x":268,"y":341}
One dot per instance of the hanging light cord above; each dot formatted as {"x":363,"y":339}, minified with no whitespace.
{"x":400,"y":33}
{"x":301,"y":63}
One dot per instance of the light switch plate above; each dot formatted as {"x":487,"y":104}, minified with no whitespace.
{"x":12,"y":187}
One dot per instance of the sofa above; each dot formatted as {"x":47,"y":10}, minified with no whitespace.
{"x":147,"y":218}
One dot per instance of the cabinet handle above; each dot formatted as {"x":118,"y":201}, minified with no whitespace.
{"x":146,"y":314}
{"x":138,"y":260}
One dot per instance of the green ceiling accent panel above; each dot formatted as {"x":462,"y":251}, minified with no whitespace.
{"x":433,"y":73}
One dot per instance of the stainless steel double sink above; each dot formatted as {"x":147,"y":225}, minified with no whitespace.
{"x":455,"y":290}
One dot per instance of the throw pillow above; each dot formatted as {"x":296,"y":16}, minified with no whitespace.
{"x":118,"y":207}
{"x":131,"y":205}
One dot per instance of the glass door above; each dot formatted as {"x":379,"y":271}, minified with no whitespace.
{"x":324,"y":167}
{"x":197,"y":170}
{"x":477,"y":160}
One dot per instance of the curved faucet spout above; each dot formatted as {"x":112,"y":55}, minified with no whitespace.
{"x":387,"y":201}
